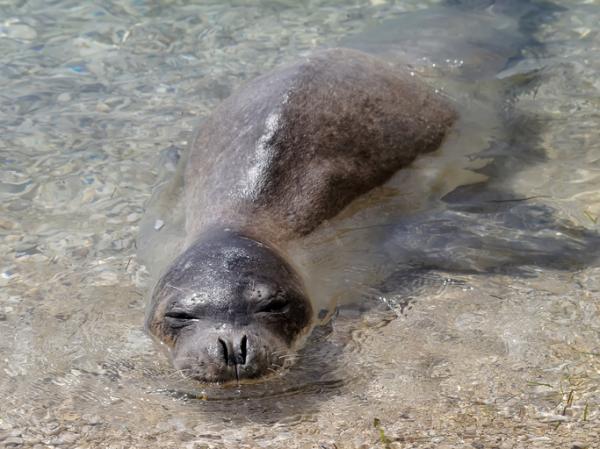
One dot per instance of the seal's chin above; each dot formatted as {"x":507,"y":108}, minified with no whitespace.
{"x":230,"y":355}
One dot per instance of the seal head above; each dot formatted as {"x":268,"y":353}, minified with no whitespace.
{"x":229,"y":308}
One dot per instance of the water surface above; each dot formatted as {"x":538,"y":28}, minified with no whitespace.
{"x":477,"y":268}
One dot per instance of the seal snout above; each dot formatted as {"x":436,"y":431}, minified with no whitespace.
{"x":230,"y":354}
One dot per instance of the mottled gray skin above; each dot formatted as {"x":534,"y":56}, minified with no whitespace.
{"x":288,"y":151}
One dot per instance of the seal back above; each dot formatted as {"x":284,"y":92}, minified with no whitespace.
{"x":295,"y":146}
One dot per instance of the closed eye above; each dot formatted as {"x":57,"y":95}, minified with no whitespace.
{"x":179,"y":315}
{"x":273,"y":307}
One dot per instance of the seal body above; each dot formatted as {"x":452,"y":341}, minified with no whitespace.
{"x":286,"y":152}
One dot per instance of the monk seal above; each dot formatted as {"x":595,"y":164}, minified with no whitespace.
{"x":276,"y":159}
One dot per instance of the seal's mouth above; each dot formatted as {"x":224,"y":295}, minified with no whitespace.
{"x":227,"y":381}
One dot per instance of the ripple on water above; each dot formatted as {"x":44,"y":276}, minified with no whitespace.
{"x":485,"y":336}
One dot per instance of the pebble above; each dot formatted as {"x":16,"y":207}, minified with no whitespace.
{"x":64,"y":438}
{"x":15,"y":30}
{"x":133,"y":217}
{"x":185,"y":436}
{"x":6,"y":224}
{"x":93,"y":420}
{"x":107,"y":278}
{"x":158,"y":224}
{"x":31,"y":439}
{"x":64,"y":97}
{"x":554,"y":418}
{"x":51,"y":429}
{"x":13,"y":442}
{"x":7,"y":274}
{"x":102,"y":107}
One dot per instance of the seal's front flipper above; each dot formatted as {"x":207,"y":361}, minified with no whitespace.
{"x":492,"y":236}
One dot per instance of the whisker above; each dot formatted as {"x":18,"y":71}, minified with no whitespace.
{"x":180,"y":372}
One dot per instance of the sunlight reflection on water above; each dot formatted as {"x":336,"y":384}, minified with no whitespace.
{"x":488,"y":332}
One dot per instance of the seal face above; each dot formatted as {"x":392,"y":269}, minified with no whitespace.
{"x":230,"y":307}
{"x":276,"y":159}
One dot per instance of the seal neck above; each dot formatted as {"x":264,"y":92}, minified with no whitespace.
{"x":229,"y":236}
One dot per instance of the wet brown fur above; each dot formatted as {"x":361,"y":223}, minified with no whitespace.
{"x":346,"y":122}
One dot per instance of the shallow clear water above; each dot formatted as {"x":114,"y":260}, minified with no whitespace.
{"x":476,"y":269}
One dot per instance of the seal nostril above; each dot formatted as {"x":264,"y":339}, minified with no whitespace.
{"x":243,"y":352}
{"x":225,"y":354}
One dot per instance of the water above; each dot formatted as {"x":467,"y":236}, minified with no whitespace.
{"x":476,"y":269}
